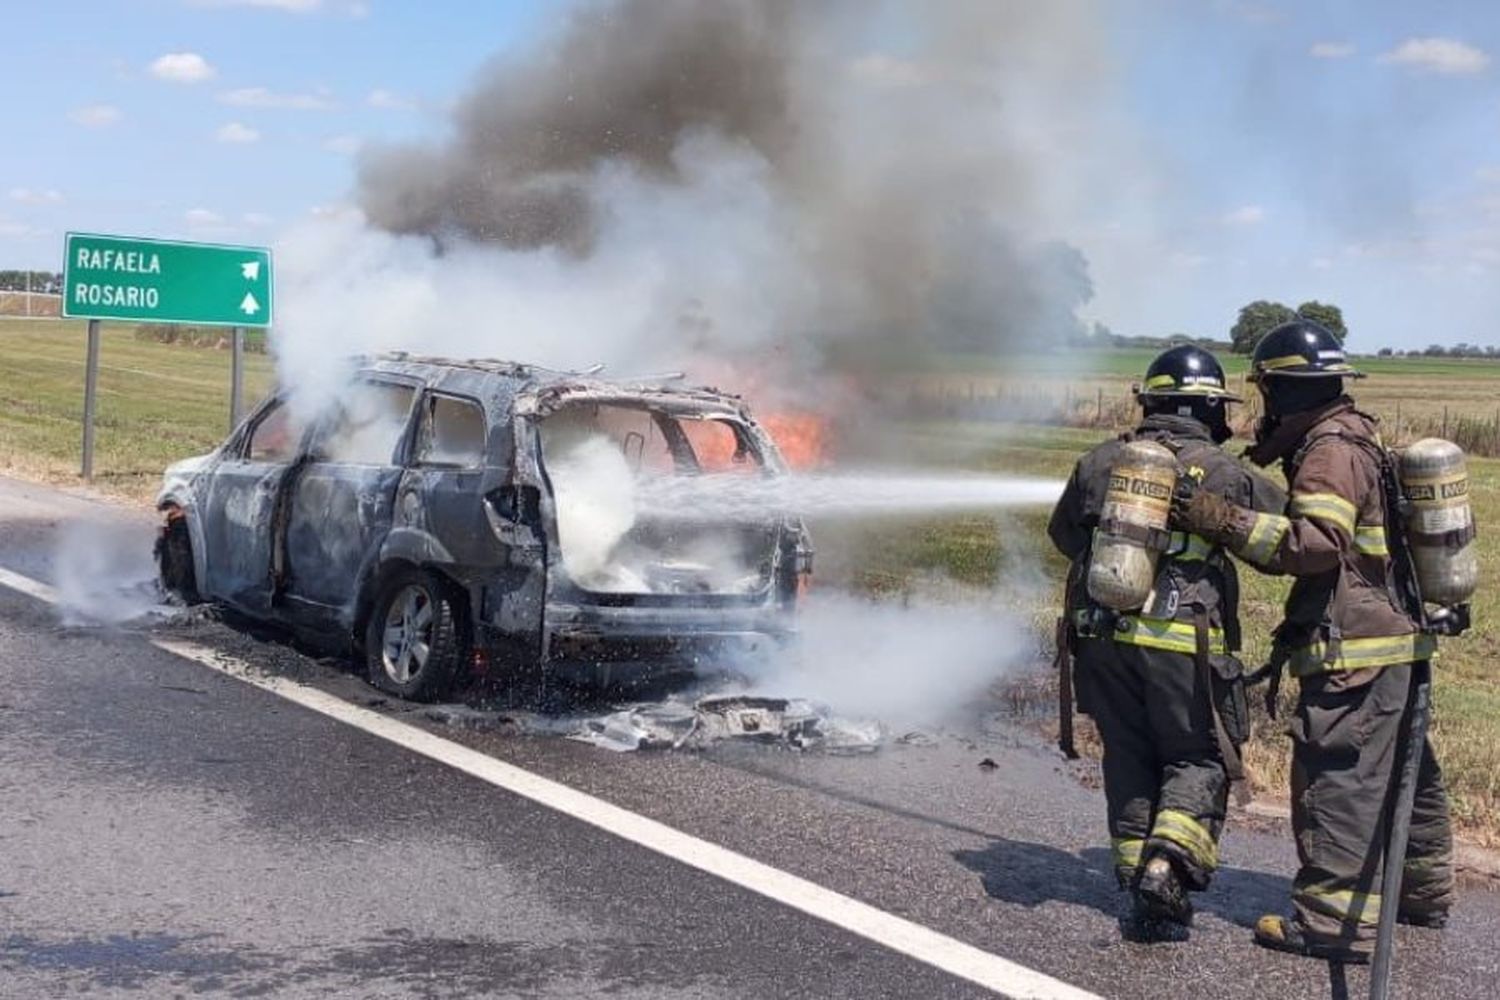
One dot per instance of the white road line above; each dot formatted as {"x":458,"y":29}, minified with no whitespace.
{"x":913,"y":940}
{"x":28,"y":586}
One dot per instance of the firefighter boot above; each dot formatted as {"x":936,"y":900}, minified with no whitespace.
{"x":1161,"y":892}
{"x":1282,"y":934}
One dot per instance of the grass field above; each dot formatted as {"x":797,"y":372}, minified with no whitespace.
{"x":160,"y":402}
{"x":1413,"y":397}
{"x":157,"y":403}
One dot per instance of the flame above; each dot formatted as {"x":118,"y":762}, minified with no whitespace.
{"x":801,"y":437}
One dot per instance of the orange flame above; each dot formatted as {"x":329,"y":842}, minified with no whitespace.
{"x":801,"y":437}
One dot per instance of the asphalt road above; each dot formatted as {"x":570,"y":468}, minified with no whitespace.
{"x":166,"y":830}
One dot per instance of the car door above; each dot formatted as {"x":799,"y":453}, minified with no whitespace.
{"x":341,"y":501}
{"x":237,"y":517}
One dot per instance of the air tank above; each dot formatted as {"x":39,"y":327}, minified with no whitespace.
{"x":1440,"y":522}
{"x":1122,"y":567}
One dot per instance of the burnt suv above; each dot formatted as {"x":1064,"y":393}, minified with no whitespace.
{"x":448,"y":520}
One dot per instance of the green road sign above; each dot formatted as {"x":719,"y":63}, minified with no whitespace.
{"x":164,"y":281}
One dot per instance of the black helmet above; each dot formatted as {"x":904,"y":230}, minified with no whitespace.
{"x":1300,"y":349}
{"x":1185,"y":371}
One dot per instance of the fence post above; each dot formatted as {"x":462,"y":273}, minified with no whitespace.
{"x":1445,"y":423}
{"x":1100,"y":410}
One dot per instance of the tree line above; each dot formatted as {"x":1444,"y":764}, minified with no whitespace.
{"x":46,"y":282}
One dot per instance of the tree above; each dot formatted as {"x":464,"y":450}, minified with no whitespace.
{"x":1256,"y":320}
{"x":1328,"y":316}
{"x":1384,"y":352}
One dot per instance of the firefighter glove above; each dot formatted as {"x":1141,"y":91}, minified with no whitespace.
{"x":1203,"y":513}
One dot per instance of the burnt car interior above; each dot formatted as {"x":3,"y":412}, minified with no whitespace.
{"x":598,"y":456}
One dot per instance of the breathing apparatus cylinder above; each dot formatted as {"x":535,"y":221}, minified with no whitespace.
{"x":1440,"y":522}
{"x":1132,"y":530}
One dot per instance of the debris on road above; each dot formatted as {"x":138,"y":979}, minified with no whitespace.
{"x":679,"y":724}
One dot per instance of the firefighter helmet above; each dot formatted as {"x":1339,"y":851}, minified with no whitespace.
{"x":1186,"y":371}
{"x":1300,"y":349}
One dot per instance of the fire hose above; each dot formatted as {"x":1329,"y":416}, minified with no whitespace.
{"x":1404,"y":793}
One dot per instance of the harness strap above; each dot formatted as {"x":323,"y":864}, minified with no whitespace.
{"x":1234,"y":764}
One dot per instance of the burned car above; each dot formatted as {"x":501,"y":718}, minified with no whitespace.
{"x":451,"y":519}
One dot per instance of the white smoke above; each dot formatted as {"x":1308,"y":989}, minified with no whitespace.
{"x":105,"y":573}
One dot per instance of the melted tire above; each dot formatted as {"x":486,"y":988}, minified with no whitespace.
{"x":174,"y":562}
{"x":449,"y":639}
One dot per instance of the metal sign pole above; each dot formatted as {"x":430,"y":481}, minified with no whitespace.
{"x":90,"y":400}
{"x":236,"y":377}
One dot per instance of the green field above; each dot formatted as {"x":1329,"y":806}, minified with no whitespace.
{"x":157,"y":403}
{"x":160,"y":402}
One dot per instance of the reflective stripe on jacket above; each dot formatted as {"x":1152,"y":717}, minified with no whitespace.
{"x":1197,"y":571}
{"x":1343,"y":612}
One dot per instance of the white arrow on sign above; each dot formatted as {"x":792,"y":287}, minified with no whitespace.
{"x":248,"y":305}
{"x":251,"y":270}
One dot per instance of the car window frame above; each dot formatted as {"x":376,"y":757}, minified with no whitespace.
{"x":400,"y":454}
{"x":415,"y":462}
{"x":239,"y":449}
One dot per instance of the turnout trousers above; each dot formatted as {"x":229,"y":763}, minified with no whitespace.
{"x":1164,"y":780}
{"x":1346,"y":736}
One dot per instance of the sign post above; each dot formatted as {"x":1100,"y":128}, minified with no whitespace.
{"x":236,"y":376}
{"x":163,"y":281}
{"x":90,"y":400}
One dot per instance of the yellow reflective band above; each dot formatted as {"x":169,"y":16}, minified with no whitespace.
{"x":1187,"y":833}
{"x":1325,"y":507}
{"x":1157,"y":381}
{"x":1285,"y":361}
{"x":1160,"y":633}
{"x":1265,"y":538}
{"x":1189,"y":548}
{"x":1127,"y":851}
{"x":1369,"y":539}
{"x":1359,"y":654}
{"x":1341,"y":904}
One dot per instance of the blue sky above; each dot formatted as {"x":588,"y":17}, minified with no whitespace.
{"x":1348,"y":151}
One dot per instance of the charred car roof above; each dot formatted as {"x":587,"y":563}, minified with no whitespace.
{"x":541,"y":390}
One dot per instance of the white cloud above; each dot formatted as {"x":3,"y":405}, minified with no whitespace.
{"x":344,"y":145}
{"x":389,"y":101}
{"x":1187,"y":259}
{"x":1320,"y":263}
{"x":36,"y":196}
{"x":236,"y":132}
{"x":1487,"y":175}
{"x":1438,"y":55}
{"x":1245,"y":215}
{"x":202,"y":218}
{"x":182,"y":67}
{"x":256,"y":220}
{"x":261,"y":97}
{"x":1331,"y":50}
{"x":95,"y":115}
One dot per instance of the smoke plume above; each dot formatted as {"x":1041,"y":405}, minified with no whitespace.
{"x":667,"y":179}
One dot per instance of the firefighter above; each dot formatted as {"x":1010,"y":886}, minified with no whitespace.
{"x":1161,"y":683}
{"x":1349,"y":638}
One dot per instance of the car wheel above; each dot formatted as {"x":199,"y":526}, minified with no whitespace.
{"x":174,"y":561}
{"x":415,"y":639}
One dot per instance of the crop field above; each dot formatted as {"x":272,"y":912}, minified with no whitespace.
{"x":162,"y":401}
